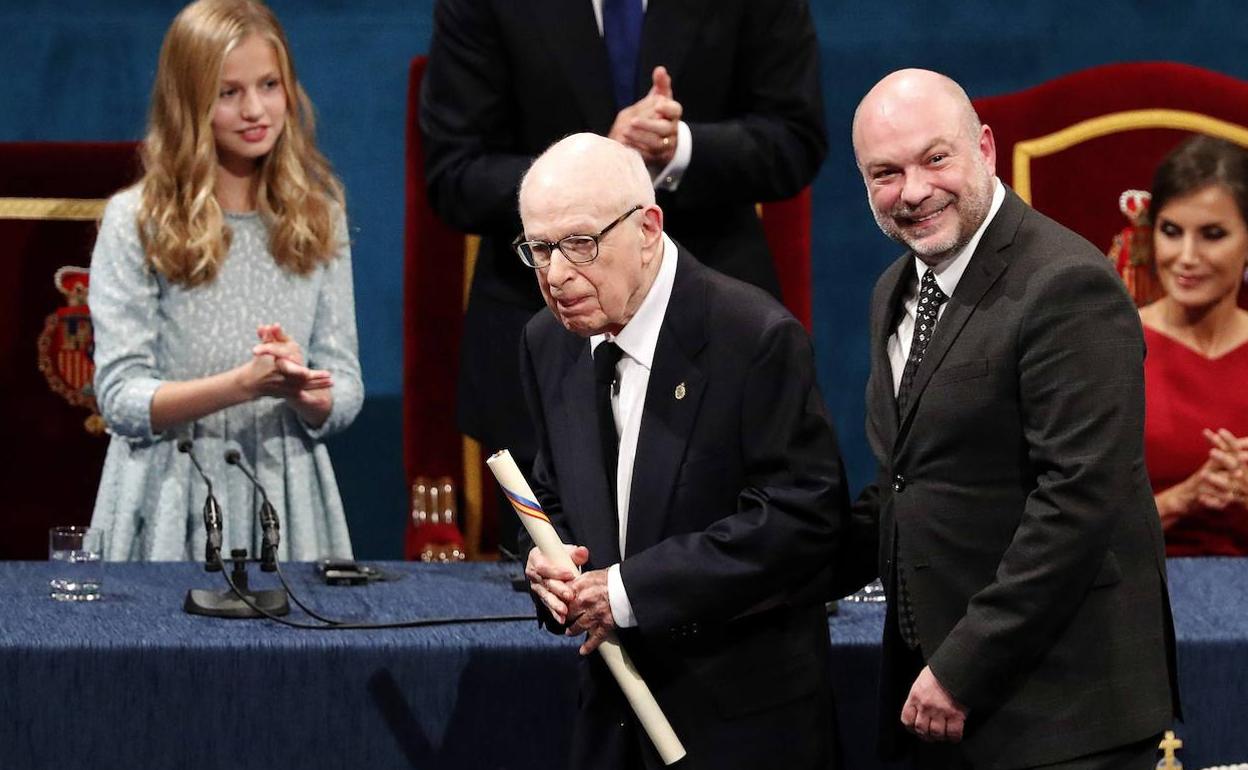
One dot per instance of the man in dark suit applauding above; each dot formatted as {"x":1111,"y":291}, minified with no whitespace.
{"x":1028,"y":621}
{"x":684,"y":447}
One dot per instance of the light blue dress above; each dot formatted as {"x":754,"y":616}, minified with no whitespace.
{"x":147,"y":330}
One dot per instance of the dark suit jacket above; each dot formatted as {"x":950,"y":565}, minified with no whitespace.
{"x":506,"y":79}
{"x":738,"y":498}
{"x":1015,"y":490}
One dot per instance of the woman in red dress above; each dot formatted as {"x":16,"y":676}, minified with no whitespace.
{"x":1196,"y":371}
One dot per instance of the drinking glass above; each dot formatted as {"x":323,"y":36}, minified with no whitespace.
{"x":77,"y":555}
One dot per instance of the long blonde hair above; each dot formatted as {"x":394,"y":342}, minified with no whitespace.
{"x":181,"y":225}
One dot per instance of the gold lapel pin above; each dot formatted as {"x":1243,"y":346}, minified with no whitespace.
{"x":680,"y":391}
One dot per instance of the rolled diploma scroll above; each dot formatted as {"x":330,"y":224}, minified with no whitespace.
{"x":547,"y":540}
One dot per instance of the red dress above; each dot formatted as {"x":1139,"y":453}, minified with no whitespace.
{"x":1186,"y":392}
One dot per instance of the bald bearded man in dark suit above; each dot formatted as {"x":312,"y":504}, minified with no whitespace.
{"x":1028,"y":620}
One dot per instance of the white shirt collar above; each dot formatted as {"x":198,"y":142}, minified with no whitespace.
{"x":640,"y":335}
{"x":950,"y":271}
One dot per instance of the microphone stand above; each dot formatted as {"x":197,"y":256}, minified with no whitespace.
{"x":239,"y":601}
{"x":271,"y":537}
{"x":266,"y":513}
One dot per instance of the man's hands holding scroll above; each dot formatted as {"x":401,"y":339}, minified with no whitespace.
{"x":580,"y":602}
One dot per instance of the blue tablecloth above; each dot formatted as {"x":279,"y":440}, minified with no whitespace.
{"x":132,"y":681}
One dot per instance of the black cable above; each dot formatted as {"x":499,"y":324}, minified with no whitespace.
{"x":335,"y":626}
{"x":290,"y":592}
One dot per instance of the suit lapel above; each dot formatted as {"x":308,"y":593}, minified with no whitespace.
{"x":592,"y":508}
{"x":666,"y":38}
{"x":985,"y":268}
{"x":673,"y":398}
{"x":882,"y":400}
{"x":572,"y":37}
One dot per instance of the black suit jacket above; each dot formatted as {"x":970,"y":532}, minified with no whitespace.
{"x":738,"y":499}
{"x":1014,"y":491}
{"x":506,"y":79}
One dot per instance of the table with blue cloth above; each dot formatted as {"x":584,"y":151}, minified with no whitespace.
{"x":131,"y":681}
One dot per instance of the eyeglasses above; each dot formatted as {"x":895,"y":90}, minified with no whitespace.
{"x":578,"y":249}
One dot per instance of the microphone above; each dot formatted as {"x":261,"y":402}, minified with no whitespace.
{"x":268,"y":515}
{"x":212,"y":514}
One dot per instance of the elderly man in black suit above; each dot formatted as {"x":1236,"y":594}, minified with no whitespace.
{"x":684,"y":447}
{"x":1028,"y":620}
{"x":721,"y":97}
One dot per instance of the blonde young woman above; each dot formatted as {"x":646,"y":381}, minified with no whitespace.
{"x":222,"y":299}
{"x":1196,"y":372}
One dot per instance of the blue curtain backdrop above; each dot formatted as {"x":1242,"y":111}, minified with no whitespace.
{"x":82,"y":70}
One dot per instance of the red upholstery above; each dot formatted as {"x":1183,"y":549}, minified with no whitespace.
{"x":1154,"y":106}
{"x":787,"y":226}
{"x":434,"y":261}
{"x":434,"y":282}
{"x":52,"y":465}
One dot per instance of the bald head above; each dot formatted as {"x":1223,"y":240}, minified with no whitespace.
{"x":586,"y":170}
{"x":926,"y":160}
{"x":588,"y":185}
{"x":914,"y":91}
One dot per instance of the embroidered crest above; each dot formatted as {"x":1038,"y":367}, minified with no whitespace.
{"x":66,"y":345}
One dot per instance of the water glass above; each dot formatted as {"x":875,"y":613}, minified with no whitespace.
{"x":77,"y":555}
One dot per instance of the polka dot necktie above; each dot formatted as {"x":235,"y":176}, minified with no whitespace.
{"x":930,"y":300}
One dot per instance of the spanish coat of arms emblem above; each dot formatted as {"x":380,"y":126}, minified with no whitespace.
{"x":66,"y":344}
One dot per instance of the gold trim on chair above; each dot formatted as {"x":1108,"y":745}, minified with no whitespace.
{"x":1113,"y":123}
{"x":474,"y":489}
{"x":473,"y":500}
{"x":70,"y":209}
{"x":472,"y":245}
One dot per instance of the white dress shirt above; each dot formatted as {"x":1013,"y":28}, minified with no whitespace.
{"x":947,"y":274}
{"x":637,"y":340}
{"x":669,"y":178}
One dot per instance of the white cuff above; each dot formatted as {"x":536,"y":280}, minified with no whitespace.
{"x":669,"y":178}
{"x":621,"y":608}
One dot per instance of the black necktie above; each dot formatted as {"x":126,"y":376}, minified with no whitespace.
{"x":621,"y":31}
{"x":606,"y":357}
{"x":930,"y":300}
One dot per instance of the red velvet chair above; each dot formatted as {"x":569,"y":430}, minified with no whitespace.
{"x":51,"y":195}
{"x":1072,"y":145}
{"x":435,"y":257}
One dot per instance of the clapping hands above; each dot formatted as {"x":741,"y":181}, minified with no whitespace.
{"x":277,"y":369}
{"x":1223,"y":479}
{"x":650,"y":125}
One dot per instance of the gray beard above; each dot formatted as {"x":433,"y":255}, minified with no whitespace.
{"x":975,"y":207}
